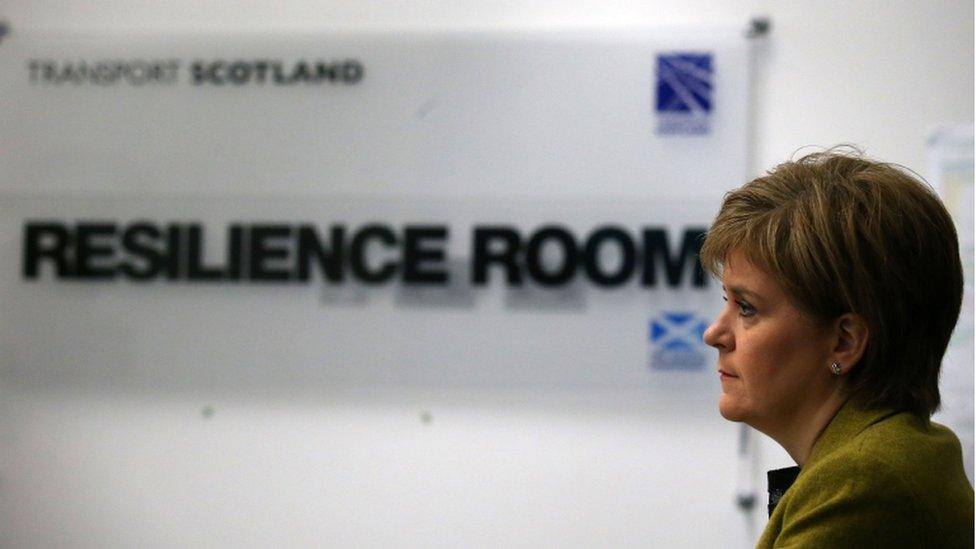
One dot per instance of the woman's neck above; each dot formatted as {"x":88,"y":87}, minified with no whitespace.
{"x":799,"y":436}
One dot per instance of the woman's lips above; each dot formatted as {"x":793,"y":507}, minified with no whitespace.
{"x":722,"y":374}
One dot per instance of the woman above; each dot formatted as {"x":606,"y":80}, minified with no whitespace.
{"x":843,"y":283}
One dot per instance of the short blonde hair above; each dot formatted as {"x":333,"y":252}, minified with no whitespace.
{"x":843,"y":233}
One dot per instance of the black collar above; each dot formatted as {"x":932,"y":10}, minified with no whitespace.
{"x":780,"y":481}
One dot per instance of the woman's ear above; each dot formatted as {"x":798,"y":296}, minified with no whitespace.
{"x":852,"y":339}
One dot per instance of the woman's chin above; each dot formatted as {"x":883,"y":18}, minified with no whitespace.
{"x":730,"y":409}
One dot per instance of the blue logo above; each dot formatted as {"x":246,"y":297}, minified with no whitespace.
{"x":676,"y":341}
{"x":683,"y":100}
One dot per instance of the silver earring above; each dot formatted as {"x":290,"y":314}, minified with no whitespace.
{"x":835,"y":369}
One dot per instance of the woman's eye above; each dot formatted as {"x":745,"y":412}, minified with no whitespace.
{"x":745,"y":309}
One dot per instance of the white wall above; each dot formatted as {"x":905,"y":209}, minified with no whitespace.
{"x":880,"y":74}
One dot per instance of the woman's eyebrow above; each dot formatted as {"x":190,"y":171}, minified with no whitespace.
{"x":739,"y":290}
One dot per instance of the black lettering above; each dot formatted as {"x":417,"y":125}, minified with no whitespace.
{"x":260,"y":71}
{"x":591,"y":256}
{"x":300,"y":73}
{"x":279,"y":76}
{"x":138,"y":72}
{"x":196,"y":270}
{"x":239,"y":73}
{"x":75,"y":74}
{"x":46,"y":240}
{"x":88,"y":251}
{"x":329,"y":259}
{"x":104,"y":74}
{"x":485,"y":255}
{"x":357,"y":255}
{"x":534,"y":261}
{"x":326,"y":71}
{"x":656,"y":246}
{"x":262,"y":251}
{"x":212,"y":73}
{"x":352,"y":71}
{"x":415,"y":255}
{"x":134,"y":241}
{"x":235,"y":252}
{"x":173,"y":260}
{"x":199,"y":72}
{"x":50,"y":72}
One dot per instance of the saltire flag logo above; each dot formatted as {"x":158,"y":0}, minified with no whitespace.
{"x":684,"y":83}
{"x":676,"y":339}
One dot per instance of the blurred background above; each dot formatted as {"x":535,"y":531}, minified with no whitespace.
{"x":537,"y":408}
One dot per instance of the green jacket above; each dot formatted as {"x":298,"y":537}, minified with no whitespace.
{"x":877,"y":479}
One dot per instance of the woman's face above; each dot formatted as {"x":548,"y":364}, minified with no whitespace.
{"x":773,"y":361}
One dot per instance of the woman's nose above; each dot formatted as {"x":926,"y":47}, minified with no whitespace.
{"x":717,"y":334}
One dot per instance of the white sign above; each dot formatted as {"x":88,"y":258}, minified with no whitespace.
{"x":367,"y":222}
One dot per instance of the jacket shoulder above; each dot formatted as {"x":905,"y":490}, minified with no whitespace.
{"x":898,"y":483}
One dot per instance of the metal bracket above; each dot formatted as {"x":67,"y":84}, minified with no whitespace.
{"x":758,"y":27}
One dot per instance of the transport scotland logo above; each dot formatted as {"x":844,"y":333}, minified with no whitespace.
{"x":683,"y":98}
{"x":676,"y":341}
